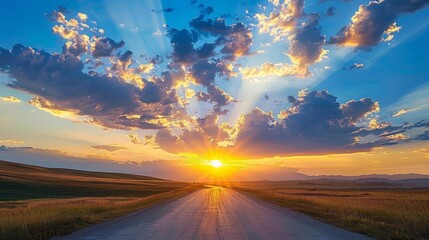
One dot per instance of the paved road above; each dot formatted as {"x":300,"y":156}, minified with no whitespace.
{"x":214,"y":213}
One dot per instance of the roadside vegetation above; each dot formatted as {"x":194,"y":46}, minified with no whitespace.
{"x":43,"y":219}
{"x":40,"y":203}
{"x":382,"y":213}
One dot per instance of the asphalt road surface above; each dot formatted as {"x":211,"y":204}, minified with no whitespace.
{"x":214,"y":213}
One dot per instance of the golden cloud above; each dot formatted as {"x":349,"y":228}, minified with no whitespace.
{"x":11,"y":99}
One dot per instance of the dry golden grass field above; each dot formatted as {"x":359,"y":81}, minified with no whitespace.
{"x":39,"y":203}
{"x":380,"y":212}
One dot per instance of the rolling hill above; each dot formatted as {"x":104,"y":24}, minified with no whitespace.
{"x":21,"y":181}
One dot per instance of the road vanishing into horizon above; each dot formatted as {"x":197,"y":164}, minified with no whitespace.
{"x":214,"y":213}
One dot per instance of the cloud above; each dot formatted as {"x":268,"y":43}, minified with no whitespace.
{"x":65,"y":33}
{"x":404,"y":111}
{"x":110,"y":148}
{"x":183,"y":49}
{"x":104,"y":47}
{"x":12,"y":141}
{"x":121,"y":67}
{"x":59,"y":84}
{"x":283,"y":20}
{"x":207,"y":135}
{"x":82,"y":16}
{"x":417,"y":100}
{"x":288,"y":21}
{"x":330,"y":11}
{"x":267,"y":69}
{"x":374,"y":124}
{"x":375,"y":22}
{"x":217,"y":96}
{"x":357,"y":65}
{"x":423,"y":136}
{"x":72,"y":85}
{"x":77,"y":33}
{"x":212,"y":59}
{"x":355,"y":110}
{"x":134,"y":138}
{"x":11,"y":99}
{"x":306,"y":45}
{"x":314,"y":124}
{"x":204,"y":73}
{"x":166,"y":10}
{"x":235,"y":39}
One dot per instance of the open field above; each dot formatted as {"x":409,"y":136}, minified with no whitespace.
{"x":42,"y":219}
{"x":20,"y":182}
{"x":63,"y":201}
{"x":382,"y":212}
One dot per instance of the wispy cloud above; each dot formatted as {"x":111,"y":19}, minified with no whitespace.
{"x":403,"y":111}
{"x":12,"y":141}
{"x":110,"y":148}
{"x":11,"y":99}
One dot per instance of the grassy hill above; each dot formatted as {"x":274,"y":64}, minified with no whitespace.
{"x":21,"y":181}
{"x":40,"y":203}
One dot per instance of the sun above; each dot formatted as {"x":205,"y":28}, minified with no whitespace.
{"x":216,"y":163}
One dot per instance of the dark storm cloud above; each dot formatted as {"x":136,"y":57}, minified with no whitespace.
{"x":104,"y":47}
{"x":59,"y":83}
{"x":371,"y":22}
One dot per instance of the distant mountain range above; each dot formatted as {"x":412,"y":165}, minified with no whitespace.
{"x":401,"y":180}
{"x":374,"y":177}
{"x":411,"y":179}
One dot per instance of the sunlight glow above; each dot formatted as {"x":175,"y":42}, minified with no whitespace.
{"x":216,"y":163}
